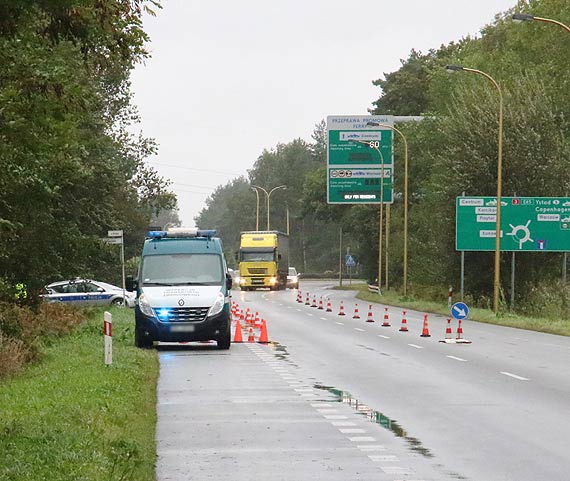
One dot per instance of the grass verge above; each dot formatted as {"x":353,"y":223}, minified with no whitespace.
{"x":509,"y":319}
{"x":70,"y":417}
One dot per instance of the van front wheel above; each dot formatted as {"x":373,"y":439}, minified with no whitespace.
{"x":141,"y":340}
{"x":225,"y":340}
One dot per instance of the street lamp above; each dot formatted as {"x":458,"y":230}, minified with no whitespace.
{"x":376,"y":124}
{"x":497,"y":278}
{"x":377,"y":149}
{"x":523,"y":17}
{"x":254,"y":188}
{"x":268,"y":195}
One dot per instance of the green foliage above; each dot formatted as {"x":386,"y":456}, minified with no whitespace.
{"x":71,"y":170}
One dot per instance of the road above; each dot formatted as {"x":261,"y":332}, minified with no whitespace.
{"x":332,"y":397}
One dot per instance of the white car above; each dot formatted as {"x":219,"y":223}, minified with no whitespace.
{"x":87,"y":292}
{"x":293,"y":278}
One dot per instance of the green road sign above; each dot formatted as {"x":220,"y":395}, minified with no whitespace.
{"x":357,"y":148}
{"x":527,"y":224}
{"x":359,"y":186}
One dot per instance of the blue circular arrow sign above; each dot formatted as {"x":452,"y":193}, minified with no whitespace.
{"x":459,"y":310}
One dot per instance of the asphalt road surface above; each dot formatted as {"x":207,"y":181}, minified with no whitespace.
{"x":336,"y":398}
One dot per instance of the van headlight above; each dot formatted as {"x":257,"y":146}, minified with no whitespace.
{"x":144,"y":306}
{"x":218,"y":305}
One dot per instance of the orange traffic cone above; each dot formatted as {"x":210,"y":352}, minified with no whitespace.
{"x":448,"y":329}
{"x":386,"y":322}
{"x":459,"y":339}
{"x":356,"y":315}
{"x":369,"y":318}
{"x":263,"y":339}
{"x":257,"y":322}
{"x":341,"y":312}
{"x":251,"y":337}
{"x":425,"y":330}
{"x":329,"y":306}
{"x":307,"y":302}
{"x":314,"y":304}
{"x":238,"y":337}
{"x":404,"y":327}
{"x":321,"y":303}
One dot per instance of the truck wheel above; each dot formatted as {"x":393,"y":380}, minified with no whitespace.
{"x":224,"y":342}
{"x":142,"y":341}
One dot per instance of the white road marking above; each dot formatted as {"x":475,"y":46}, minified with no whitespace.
{"x":343,"y":423}
{"x":383,"y":337}
{"x":310,"y":315}
{"x":321,"y":405}
{"x":352,"y":431}
{"x":457,"y":358}
{"x":327,"y":411}
{"x":289,"y":307}
{"x":387,"y":458}
{"x":416,"y":346}
{"x":358,"y":329}
{"x":324,"y":318}
{"x":334,"y":416}
{"x":340,"y":323}
{"x":298,"y":310}
{"x":362,"y":439}
{"x":520,"y":378}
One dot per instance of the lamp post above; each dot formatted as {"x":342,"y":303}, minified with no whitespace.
{"x":377,"y":149}
{"x":268,"y":195}
{"x":254,"y":188}
{"x":523,"y":17}
{"x":376,"y":124}
{"x":497,"y":277}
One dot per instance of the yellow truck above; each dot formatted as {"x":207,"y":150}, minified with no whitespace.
{"x":263,"y":260}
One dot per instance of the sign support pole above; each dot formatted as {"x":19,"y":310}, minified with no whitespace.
{"x":387,"y":243}
{"x":340,"y":259}
{"x":513,"y":261}
{"x":564,"y":259}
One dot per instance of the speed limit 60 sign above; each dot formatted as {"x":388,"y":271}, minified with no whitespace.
{"x":360,"y":167}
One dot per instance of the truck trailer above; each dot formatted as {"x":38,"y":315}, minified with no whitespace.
{"x":263,"y":260}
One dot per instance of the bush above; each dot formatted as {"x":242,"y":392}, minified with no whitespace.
{"x":22,"y":331}
{"x":548,"y":299}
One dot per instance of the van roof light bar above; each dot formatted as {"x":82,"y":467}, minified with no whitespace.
{"x":181,"y":232}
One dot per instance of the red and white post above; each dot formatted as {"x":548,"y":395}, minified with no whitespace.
{"x":108,"y":335}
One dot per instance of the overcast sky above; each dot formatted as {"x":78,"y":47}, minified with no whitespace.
{"x":228,"y":79}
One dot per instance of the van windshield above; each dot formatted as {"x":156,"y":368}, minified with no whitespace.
{"x":182,"y":269}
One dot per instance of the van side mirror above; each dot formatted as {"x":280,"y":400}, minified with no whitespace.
{"x":131,"y":284}
{"x":229,"y":282}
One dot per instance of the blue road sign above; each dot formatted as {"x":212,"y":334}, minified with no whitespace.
{"x":459,"y":310}
{"x":349,"y":261}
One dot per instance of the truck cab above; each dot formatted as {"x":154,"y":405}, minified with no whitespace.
{"x":183,"y":289}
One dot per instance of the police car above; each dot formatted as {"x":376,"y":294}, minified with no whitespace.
{"x":87,"y":292}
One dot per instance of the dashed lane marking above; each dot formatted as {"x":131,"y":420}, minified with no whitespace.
{"x":340,"y":323}
{"x":383,"y":337}
{"x":371,"y":447}
{"x":386,"y":458}
{"x":358,"y":329}
{"x":361,"y":439}
{"x":520,"y":378}
{"x":457,"y":358}
{"x":352,"y":431}
{"x":416,"y":346}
